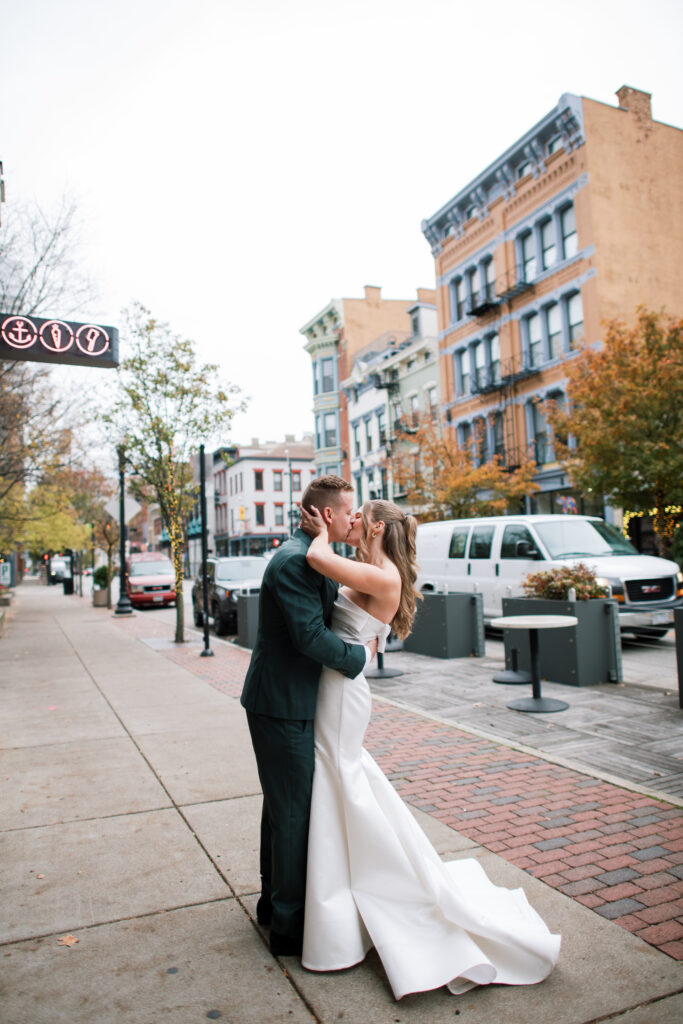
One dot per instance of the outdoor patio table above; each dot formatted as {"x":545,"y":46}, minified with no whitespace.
{"x":533,"y":623}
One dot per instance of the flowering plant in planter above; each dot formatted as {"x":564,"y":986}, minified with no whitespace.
{"x":555,"y":584}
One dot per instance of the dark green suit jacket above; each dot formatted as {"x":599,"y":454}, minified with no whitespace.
{"x":293,"y":641}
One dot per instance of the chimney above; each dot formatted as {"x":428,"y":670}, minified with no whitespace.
{"x":635,"y":101}
{"x":373,"y":295}
{"x":426,"y":295}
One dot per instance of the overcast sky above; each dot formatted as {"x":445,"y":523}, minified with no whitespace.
{"x":238,"y":163}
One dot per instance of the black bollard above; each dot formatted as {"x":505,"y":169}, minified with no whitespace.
{"x":678,"y":626}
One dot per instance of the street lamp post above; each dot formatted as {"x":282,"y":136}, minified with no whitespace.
{"x":291,"y":507}
{"x":123,"y":607}
{"x":207,"y":652}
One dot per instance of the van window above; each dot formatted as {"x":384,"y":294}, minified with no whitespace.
{"x":513,"y":534}
{"x":482,"y":539}
{"x":578,"y":538}
{"x":458,"y":542}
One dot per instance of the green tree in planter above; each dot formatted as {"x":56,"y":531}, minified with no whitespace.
{"x":101,"y":577}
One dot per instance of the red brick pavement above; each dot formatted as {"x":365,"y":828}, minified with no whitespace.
{"x":615,"y":851}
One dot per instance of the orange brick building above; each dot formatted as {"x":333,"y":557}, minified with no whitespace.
{"x":579,"y":221}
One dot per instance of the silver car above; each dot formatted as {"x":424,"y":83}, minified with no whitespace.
{"x":227,"y":579}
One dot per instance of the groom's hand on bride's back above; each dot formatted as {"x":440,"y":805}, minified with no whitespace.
{"x":372,"y":647}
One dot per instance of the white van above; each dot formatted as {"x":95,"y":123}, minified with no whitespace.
{"x":491,"y":555}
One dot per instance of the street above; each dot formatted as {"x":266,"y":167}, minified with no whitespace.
{"x":649,"y":663}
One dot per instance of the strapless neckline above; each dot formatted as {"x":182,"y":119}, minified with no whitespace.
{"x":340,"y":593}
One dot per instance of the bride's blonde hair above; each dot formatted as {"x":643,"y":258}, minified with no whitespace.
{"x":398,"y":543}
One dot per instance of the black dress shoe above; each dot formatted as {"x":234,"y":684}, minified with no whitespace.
{"x":285,"y":945}
{"x":264,"y":910}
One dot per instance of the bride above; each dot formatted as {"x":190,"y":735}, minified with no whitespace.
{"x":373,"y":877}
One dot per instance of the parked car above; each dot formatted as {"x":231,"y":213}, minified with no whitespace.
{"x":150,"y":580}
{"x":227,"y":578}
{"x":59,"y":569}
{"x":492,"y":554}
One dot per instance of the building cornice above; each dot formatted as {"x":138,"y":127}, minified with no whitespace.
{"x":499,"y":178}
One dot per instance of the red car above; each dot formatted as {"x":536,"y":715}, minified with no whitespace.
{"x":150,"y":580}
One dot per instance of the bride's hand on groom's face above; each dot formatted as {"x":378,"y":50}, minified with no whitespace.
{"x":312,"y":522}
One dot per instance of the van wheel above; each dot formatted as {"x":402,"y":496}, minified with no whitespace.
{"x":197,"y":615}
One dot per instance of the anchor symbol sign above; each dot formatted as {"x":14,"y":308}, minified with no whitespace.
{"x":18,"y":332}
{"x":57,"y":341}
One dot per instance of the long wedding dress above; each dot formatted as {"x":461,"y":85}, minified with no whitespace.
{"x":374,"y":878}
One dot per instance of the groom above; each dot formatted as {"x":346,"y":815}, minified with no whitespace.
{"x":280,"y":692}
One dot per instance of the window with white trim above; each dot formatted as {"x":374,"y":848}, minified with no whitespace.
{"x":493,"y":345}
{"x":553,"y":323}
{"x":575,"y":316}
{"x":381,"y":428}
{"x":457,"y":299}
{"x":478,"y":364}
{"x":548,"y":247}
{"x":570,"y":244}
{"x":539,"y":434}
{"x":534,"y":339}
{"x":498,"y":435}
{"x":527,"y":251}
{"x":465,"y":435}
{"x":327,"y":371}
{"x":462,"y":372}
{"x":330,"y":429}
{"x":488,"y":285}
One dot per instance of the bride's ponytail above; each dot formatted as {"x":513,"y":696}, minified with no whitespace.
{"x":400,"y":532}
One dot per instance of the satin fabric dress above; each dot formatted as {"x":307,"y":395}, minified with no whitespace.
{"x":374,"y":878}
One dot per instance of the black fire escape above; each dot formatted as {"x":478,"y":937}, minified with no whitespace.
{"x":504,"y":378}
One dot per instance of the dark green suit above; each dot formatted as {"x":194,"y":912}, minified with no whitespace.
{"x":280,"y":692}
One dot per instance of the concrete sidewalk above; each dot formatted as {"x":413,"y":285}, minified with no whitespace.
{"x":130,"y":808}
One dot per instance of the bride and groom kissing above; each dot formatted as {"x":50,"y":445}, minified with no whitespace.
{"x":344,"y":865}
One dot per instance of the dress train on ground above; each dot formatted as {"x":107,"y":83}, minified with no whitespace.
{"x":374,"y":878}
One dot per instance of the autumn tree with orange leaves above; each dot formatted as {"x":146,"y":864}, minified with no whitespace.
{"x":624,"y":420}
{"x":444,"y":481}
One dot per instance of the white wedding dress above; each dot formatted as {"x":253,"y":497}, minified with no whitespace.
{"x":374,"y":878}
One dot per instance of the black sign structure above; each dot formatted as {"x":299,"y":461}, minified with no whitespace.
{"x":58,"y":341}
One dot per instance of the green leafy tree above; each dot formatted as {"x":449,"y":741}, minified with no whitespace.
{"x":52,"y":522}
{"x":442,"y":480}
{"x":168,"y":405}
{"x":626,"y":415}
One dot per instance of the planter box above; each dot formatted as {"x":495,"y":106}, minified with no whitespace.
{"x":99,"y":598}
{"x":247,"y":619}
{"x":448,"y":626}
{"x":582,"y":655}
